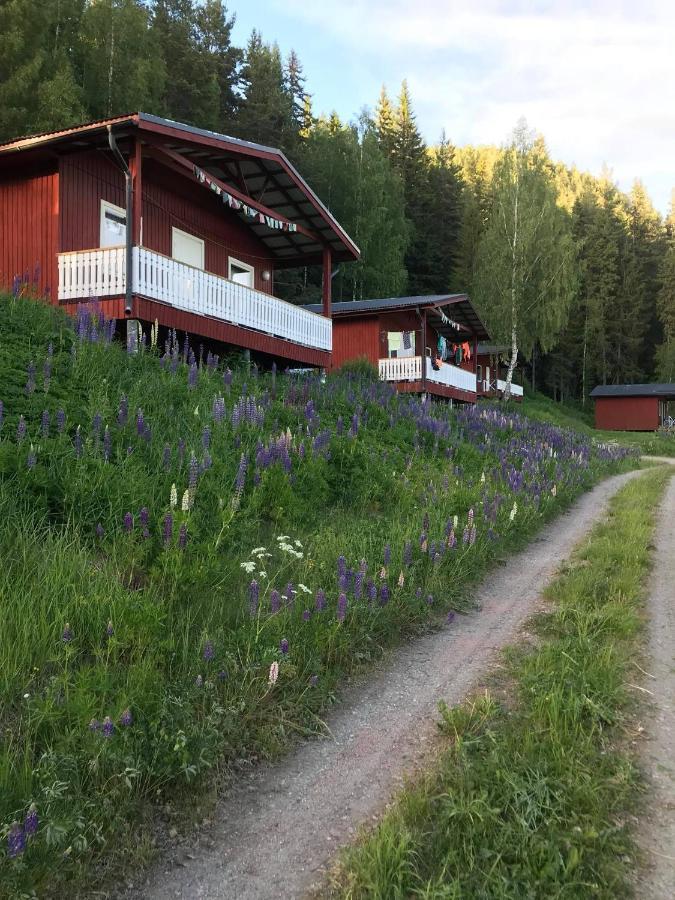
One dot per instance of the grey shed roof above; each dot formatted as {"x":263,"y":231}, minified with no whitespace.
{"x":666,"y":391}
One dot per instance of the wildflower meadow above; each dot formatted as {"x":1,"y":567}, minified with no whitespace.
{"x":197,"y":553}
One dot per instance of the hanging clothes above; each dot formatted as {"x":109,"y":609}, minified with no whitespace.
{"x":407,"y":340}
{"x":466,"y":350}
{"x":442,"y":347}
{"x":458,"y":354}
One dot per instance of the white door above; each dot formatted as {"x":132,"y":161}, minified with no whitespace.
{"x":240,"y":272}
{"x":187,"y":248}
{"x":113,"y":231}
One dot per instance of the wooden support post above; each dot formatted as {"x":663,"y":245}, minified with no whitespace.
{"x":424,"y":350}
{"x":327,"y":282}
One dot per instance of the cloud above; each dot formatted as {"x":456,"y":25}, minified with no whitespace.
{"x":596,"y":78}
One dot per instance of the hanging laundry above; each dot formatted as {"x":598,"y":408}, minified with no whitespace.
{"x":407,"y":340}
{"x":466,"y":350}
{"x":394,"y":339}
{"x":458,"y":354}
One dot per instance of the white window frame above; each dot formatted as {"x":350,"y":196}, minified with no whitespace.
{"x":193,"y":237}
{"x":231,"y":261}
{"x":107,"y":206}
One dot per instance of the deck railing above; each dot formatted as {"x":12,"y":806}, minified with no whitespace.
{"x":101,"y":273}
{"x":409,"y":368}
{"x":516,"y":389}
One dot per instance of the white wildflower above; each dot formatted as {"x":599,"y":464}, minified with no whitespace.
{"x":185,"y":502}
{"x":514,"y":510}
{"x":283,"y":537}
{"x":173,"y":499}
{"x":554,"y":490}
{"x":455,"y":521}
{"x":196,"y":410}
{"x":304,"y":588}
{"x":258,"y":551}
{"x":298,"y":543}
{"x":262,"y":574}
{"x":482,"y":478}
{"x":274,"y":673}
{"x":286,"y":547}
{"x":248,"y":566}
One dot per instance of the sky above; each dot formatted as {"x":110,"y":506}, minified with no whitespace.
{"x":597,"y":79}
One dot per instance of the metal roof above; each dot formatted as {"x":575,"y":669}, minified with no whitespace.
{"x":463,"y":311}
{"x":635,"y":390}
{"x":492,"y":349}
{"x":263,"y":173}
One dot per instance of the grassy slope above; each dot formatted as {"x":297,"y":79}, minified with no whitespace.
{"x":567,"y":415}
{"x":531,"y":801}
{"x":186,"y":660}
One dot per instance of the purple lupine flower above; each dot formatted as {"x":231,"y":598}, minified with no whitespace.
{"x":407,"y":554}
{"x":31,"y":822}
{"x":94,"y":725}
{"x":253,"y":598}
{"x":96,"y":423}
{"x":123,"y":412}
{"x":418,"y":593}
{"x":290,"y":594}
{"x":450,"y":617}
{"x":193,"y":375}
{"x":21,"y":430}
{"x":60,"y":421}
{"x":167,"y":531}
{"x":108,"y":727}
{"x":128,"y":522}
{"x":342,"y":607}
{"x":31,"y":459}
{"x":320,"y":600}
{"x":77,"y":442}
{"x":275,"y":601}
{"x":107,"y":444}
{"x":144,"y":516}
{"x":472,"y":535}
{"x":140,"y":422}
{"x":358,"y":584}
{"x":430,"y":599}
{"x":341,"y":567}
{"x":314,"y":680}
{"x":166,"y":457}
{"x":466,"y":535}
{"x":425,"y":522}
{"x":387,"y":554}
{"x":67,"y":633}
{"x":423,"y":542}
{"x":306,"y":616}
{"x":371,"y":590}
{"x":182,"y":537}
{"x":227,"y":378}
{"x":16,"y":840}
{"x":222,"y":675}
{"x":452,"y":540}
{"x":181,"y":451}
{"x":30,"y":383}
{"x":44,"y":423}
{"x":109,"y":630}
{"x":384,"y":594}
{"x":283,"y":646}
{"x":99,"y":531}
{"x":208,"y":652}
{"x":126,"y":718}
{"x":199,"y":681}
{"x":206,"y":437}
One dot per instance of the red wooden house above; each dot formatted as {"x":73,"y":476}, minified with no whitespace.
{"x":413,"y":341}
{"x":491,"y":370}
{"x":634,"y":407}
{"x":162,"y":221}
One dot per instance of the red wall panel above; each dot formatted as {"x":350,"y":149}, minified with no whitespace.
{"x":627,"y":413}
{"x":355,"y":337}
{"x":29,"y":211}
{"x":86,"y":179}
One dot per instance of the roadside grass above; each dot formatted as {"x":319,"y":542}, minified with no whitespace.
{"x":196,"y":556}
{"x":530,"y":799}
{"x":573,"y":415}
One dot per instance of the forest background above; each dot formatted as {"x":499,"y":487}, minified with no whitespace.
{"x":594,"y":296}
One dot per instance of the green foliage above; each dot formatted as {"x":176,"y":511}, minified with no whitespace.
{"x":532,"y":801}
{"x":353,"y":467}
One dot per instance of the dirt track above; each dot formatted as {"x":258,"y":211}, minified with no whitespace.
{"x":275,"y":832}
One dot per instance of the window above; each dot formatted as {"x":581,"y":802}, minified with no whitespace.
{"x":187,"y":248}
{"x":400,"y":343}
{"x":479,"y":373}
{"x":113,"y":225}
{"x":240,"y":272}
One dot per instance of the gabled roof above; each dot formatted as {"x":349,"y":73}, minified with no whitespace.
{"x":457,"y":307}
{"x":666,"y":391}
{"x":263,"y":173}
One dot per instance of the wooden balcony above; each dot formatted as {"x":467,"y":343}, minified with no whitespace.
{"x":101,"y":273}
{"x":447,"y":381}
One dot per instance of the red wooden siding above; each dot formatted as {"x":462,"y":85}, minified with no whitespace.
{"x":627,"y":413}
{"x":168,"y":201}
{"x":353,"y":338}
{"x":29,"y":211}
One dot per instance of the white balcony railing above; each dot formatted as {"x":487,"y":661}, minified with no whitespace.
{"x":516,"y":389}
{"x":101,"y":273}
{"x":409,"y":368}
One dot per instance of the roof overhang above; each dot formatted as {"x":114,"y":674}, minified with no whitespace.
{"x":263,"y":174}
{"x":618,"y":391}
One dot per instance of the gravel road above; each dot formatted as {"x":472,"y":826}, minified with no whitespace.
{"x":657,"y":825}
{"x":276,"y":831}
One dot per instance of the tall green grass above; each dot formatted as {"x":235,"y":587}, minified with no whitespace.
{"x":531,"y":799}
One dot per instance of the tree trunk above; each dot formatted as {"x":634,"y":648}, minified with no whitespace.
{"x":512,"y":362}
{"x":514,"y":307}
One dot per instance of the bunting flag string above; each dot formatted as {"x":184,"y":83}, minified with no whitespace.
{"x":448,"y":321}
{"x":237,"y":204}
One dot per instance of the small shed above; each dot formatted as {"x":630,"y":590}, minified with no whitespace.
{"x":633,"y":407}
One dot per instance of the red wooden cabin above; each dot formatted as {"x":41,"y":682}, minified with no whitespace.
{"x":491,"y":370}
{"x":634,"y":407}
{"x":162,"y":221}
{"x":402,"y":337}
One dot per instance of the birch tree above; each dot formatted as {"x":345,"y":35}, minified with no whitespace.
{"x":525,"y":279}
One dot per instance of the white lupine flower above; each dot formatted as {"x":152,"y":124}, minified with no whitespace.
{"x":304,"y":588}
{"x":274,"y":673}
{"x":185,"y":502}
{"x":514,"y":510}
{"x":248,"y":566}
{"x":554,"y":490}
{"x":173,"y":499}
{"x":482,"y":478}
{"x":455,"y":521}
